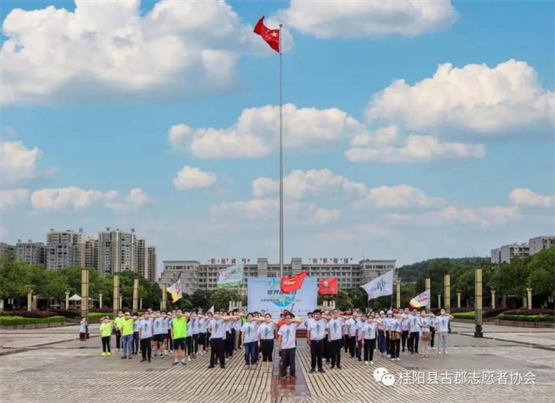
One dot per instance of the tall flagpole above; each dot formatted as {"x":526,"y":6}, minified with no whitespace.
{"x":280,"y":163}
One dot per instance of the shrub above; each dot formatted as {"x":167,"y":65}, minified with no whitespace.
{"x":528,"y":318}
{"x":492,"y":313}
{"x":458,"y":310}
{"x":530,"y":312}
{"x":68,"y":313}
{"x":4,"y":313}
{"x":94,"y":317}
{"x":19,"y":320}
{"x":464,"y":315}
{"x":32,"y":314}
{"x":105,"y":310}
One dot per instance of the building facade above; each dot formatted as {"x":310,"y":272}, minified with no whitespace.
{"x":4,"y":247}
{"x":539,"y":243}
{"x":63,"y":249}
{"x":506,"y":253}
{"x":116,"y":251}
{"x":152,"y":259}
{"x":30,"y":252}
{"x":89,"y":253}
{"x":196,"y":276}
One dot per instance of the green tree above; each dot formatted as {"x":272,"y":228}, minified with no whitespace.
{"x":11,"y":274}
{"x":220,"y":298}
{"x":542,"y":273}
{"x":201,"y":299}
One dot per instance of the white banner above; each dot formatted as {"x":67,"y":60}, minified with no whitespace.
{"x":380,"y":286}
{"x":265,"y":294}
{"x":231,"y":276}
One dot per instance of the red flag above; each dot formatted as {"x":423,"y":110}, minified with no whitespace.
{"x":271,"y":36}
{"x":328,"y":286}
{"x":293,"y":283}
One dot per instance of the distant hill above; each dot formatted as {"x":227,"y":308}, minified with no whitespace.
{"x":410,"y":273}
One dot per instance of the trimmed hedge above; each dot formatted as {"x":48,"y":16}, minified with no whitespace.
{"x":105,"y":310}
{"x":68,"y":313}
{"x":490,"y":313}
{"x":94,"y":317}
{"x":19,"y":320}
{"x":31,"y":314}
{"x":528,"y":318}
{"x":530,"y":312}
{"x":464,"y":315}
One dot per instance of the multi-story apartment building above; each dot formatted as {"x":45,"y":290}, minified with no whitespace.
{"x":4,"y":247}
{"x":63,"y":249}
{"x":89,"y":253}
{"x":30,"y":252}
{"x":540,"y":242}
{"x":152,"y":258}
{"x":116,"y":251}
{"x":141,"y":258}
{"x":196,"y":276}
{"x":506,"y":253}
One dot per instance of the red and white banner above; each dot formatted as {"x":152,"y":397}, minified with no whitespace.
{"x":328,"y":286}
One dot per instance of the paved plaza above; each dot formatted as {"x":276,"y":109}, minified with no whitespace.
{"x":50,"y":365}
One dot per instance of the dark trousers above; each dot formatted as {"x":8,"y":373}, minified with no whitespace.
{"x":387,"y":344}
{"x":335,"y":347}
{"x":381,"y":341}
{"x":217,"y":352}
{"x":352,"y":345}
{"x":135,"y":342}
{"x":433,"y":332}
{"x":327,"y":349}
{"x":229,"y":343}
{"x":170,"y":341}
{"x":189,"y":344}
{"x":394,"y":347}
{"x":316,"y":353}
{"x":267,"y":347}
{"x":346,"y":342}
{"x":404,"y":337}
{"x":287,"y":360}
{"x":195,"y":343}
{"x":369,"y":346}
{"x":146,"y":348}
{"x":250,"y":353}
{"x":82,"y":336}
{"x":118,"y":339}
{"x":413,"y":342}
{"x":106,"y":344}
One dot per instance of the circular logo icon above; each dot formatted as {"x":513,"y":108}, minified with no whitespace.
{"x":388,"y":379}
{"x":281,"y":300}
{"x":379,"y":373}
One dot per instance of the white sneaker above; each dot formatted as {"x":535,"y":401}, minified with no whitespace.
{"x":365,"y":362}
{"x":440,"y":353}
{"x":393,"y":359}
{"x":371,"y":362}
{"x":398,"y":359}
{"x":189,"y":359}
{"x":445,"y":352}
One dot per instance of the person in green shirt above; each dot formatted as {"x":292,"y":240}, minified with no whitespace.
{"x":106,"y":336}
{"x":127,"y":336}
{"x":118,"y":324}
{"x":179,"y":333}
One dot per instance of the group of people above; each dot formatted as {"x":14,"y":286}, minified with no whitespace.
{"x":188,"y":334}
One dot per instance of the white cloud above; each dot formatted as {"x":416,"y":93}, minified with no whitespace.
{"x":475,"y":97}
{"x":17,"y":162}
{"x":69,"y":198}
{"x":324,"y":216}
{"x":136,"y":200}
{"x":398,"y":196}
{"x":107,"y":48}
{"x":252,"y":209}
{"x":357,"y":19}
{"x":452,"y":215}
{"x":193,"y":178}
{"x":415,"y":149}
{"x":323,"y":182}
{"x":333,"y":236}
{"x":526,"y":197}
{"x":372,"y":230}
{"x":11,"y":198}
{"x":256,"y":132}
{"x":381,"y":137}
{"x":300,"y":184}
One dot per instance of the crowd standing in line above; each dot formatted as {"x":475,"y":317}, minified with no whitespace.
{"x":187,"y":335}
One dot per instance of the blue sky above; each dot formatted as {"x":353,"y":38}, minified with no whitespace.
{"x":99,"y":131}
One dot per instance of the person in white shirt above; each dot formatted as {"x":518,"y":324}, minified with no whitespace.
{"x":145,"y":335}
{"x":433,"y":325}
{"x":346,"y":337}
{"x":414,"y":331}
{"x":404,"y":327}
{"x":353,"y":326}
{"x":217,"y":329}
{"x":158,"y":334}
{"x":287,"y":337}
{"x":249,"y":338}
{"x":370,"y":331}
{"x":316,"y":332}
{"x":381,"y":334}
{"x":425,"y":323}
{"x":266,"y":335}
{"x":136,"y":325}
{"x":394,"y":331}
{"x":443,"y":330}
{"x":335,"y":336}
{"x":202,"y":324}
